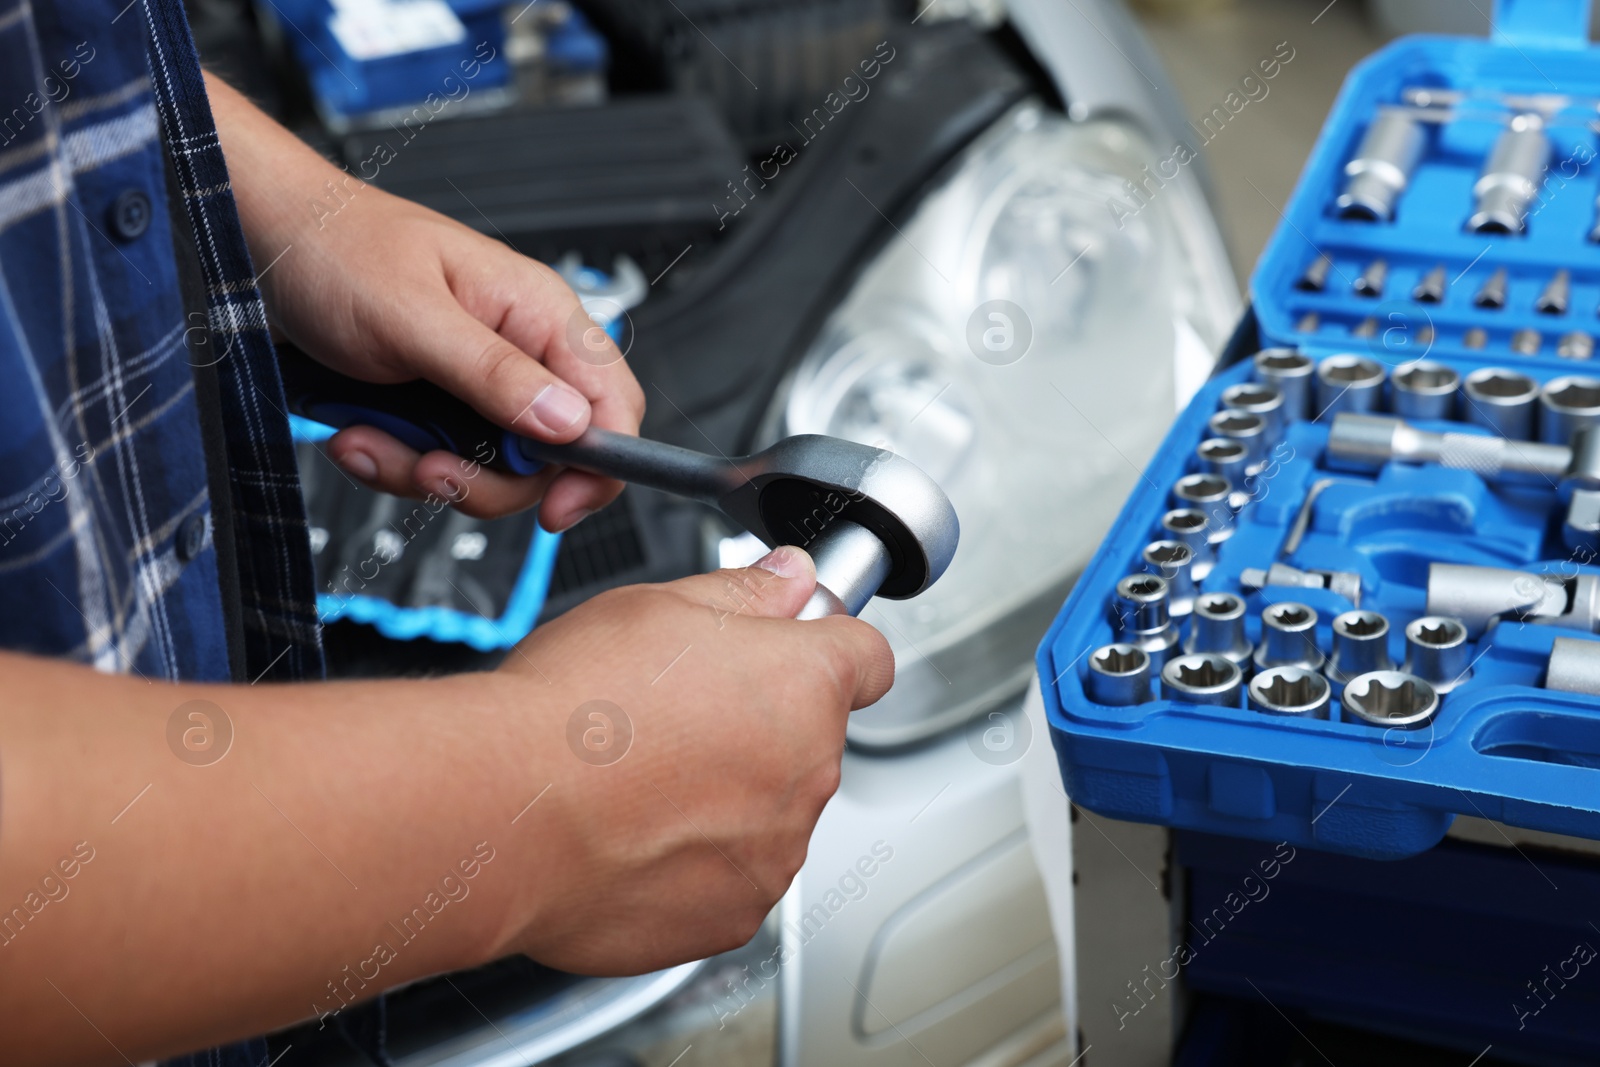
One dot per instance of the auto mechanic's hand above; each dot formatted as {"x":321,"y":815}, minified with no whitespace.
{"x":681,"y":847}
{"x":385,"y":290}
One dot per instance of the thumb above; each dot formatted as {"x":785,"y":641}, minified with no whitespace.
{"x":776,"y":586}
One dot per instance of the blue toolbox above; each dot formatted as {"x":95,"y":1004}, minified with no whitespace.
{"x":1357,"y":591}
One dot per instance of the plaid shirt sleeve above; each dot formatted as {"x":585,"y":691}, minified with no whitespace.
{"x":106,"y":552}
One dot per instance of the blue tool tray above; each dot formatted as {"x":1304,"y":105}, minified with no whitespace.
{"x":1500,"y":746}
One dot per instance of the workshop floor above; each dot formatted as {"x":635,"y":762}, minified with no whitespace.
{"x":1208,"y":47}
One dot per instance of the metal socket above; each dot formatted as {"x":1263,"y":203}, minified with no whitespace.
{"x":1217,"y":625}
{"x":1174,"y":561}
{"x":1119,"y":675}
{"x":1392,"y":699}
{"x":1437,"y":651}
{"x":1492,"y":296}
{"x":1316,"y":276}
{"x":1424,"y":390}
{"x":1557,"y":294}
{"x":1510,"y":178}
{"x":1575,"y":345}
{"x":1574,"y":666}
{"x":1566,"y":405}
{"x":1247,"y":429}
{"x":1500,"y":400}
{"x":1379,"y":171}
{"x":1142,"y":616}
{"x":1430,"y":288}
{"x":1477,"y":596}
{"x":1289,"y":372}
{"x":1360,"y":646}
{"x":1259,"y":399}
{"x":1190,"y":526}
{"x":1210,"y":494}
{"x":1348,"y":383}
{"x":1370,"y":282}
{"x":1293,"y":692}
{"x":1289,"y":637}
{"x":1202,"y":678}
{"x":1225,"y":457}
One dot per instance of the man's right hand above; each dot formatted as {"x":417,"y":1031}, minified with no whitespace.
{"x":679,"y":848}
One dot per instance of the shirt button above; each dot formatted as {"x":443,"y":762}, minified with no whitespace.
{"x":130,"y":214}
{"x":191,"y":537}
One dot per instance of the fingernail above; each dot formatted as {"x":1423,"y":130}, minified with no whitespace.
{"x":559,"y":406}
{"x":785,"y":561}
{"x":359,"y":464}
{"x":577,"y":518}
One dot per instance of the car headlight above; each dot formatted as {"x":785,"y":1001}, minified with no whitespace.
{"x":1024,"y":342}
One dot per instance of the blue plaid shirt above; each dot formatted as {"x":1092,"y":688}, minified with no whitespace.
{"x":107,"y":538}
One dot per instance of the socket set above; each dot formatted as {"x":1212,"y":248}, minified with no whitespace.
{"x":1357,"y":591}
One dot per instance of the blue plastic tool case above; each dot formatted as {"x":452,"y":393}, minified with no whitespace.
{"x":1501,"y":746}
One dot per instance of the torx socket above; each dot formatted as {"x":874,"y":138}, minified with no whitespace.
{"x":1391,"y":699}
{"x":1437,"y":651}
{"x":1211,"y":494}
{"x":1369,"y":283}
{"x":1190,"y":526}
{"x":1316,"y":276}
{"x":1202,"y":678}
{"x":1566,"y":405}
{"x":1575,"y":345}
{"x":1424,"y":390}
{"x":1379,"y":171}
{"x":1118,"y":675}
{"x":1574,"y":666}
{"x":1500,"y":400}
{"x":1221,"y":455}
{"x":1360,"y":646}
{"x":1248,"y":429}
{"x":1173,"y":560}
{"x":1289,"y":638}
{"x":1290,"y":373}
{"x":1511,"y":177}
{"x":1553,"y":301}
{"x":1430,"y":289}
{"x":1217,"y":625}
{"x":1293,"y":692}
{"x":1258,"y":398}
{"x":1492,"y":295}
{"x":1142,"y":619}
{"x":1348,"y":383}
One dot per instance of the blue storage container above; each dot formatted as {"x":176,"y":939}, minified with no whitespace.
{"x":1500,"y":745}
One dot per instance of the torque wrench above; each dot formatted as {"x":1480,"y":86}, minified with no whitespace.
{"x":873,"y":522}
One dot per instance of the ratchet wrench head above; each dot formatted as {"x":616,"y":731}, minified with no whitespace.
{"x":790,"y":493}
